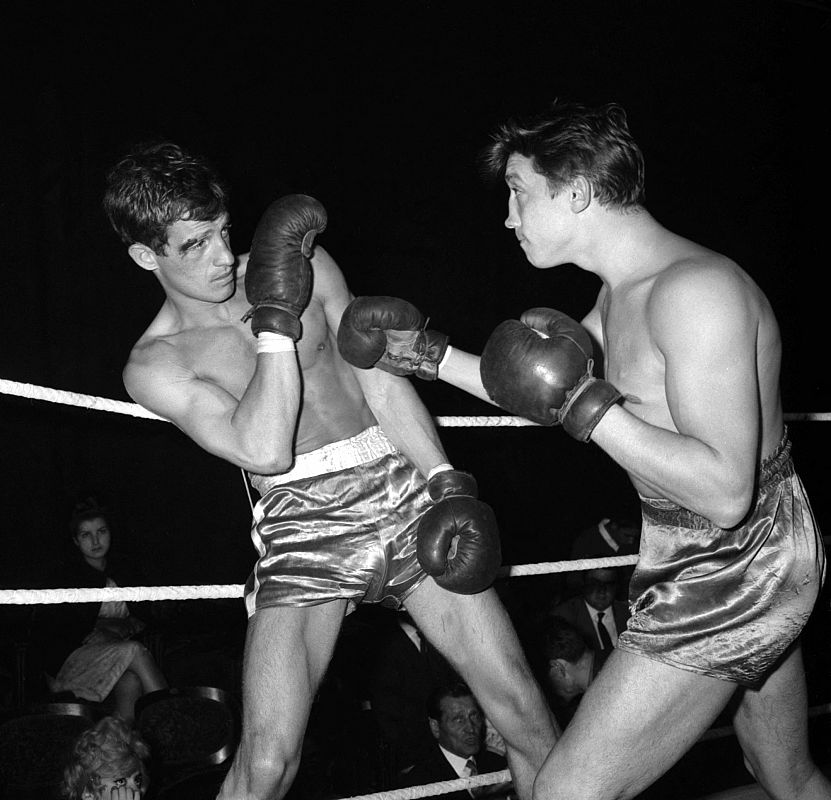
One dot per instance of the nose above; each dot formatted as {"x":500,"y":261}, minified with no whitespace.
{"x":512,"y":220}
{"x":225,"y":256}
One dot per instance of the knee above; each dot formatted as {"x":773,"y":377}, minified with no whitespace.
{"x":270,"y":769}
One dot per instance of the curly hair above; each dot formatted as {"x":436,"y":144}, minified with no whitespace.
{"x":110,"y":748}
{"x":85,"y":510}
{"x":571,"y":139}
{"x":157,"y":184}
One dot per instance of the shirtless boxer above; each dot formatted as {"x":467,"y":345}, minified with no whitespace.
{"x":731,"y":560}
{"x":338,"y":455}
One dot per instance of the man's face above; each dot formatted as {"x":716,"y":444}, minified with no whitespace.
{"x":624,"y":534}
{"x":599,"y":588}
{"x":541,"y":221}
{"x":461,"y":725}
{"x":198,"y":262}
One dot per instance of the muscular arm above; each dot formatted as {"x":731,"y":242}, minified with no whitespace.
{"x":255,"y":432}
{"x":704,"y":322}
{"x":391,"y":398}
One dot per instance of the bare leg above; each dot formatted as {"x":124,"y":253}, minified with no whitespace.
{"x":144,"y":665}
{"x":635,"y":721}
{"x":287,"y":651}
{"x":772,"y":727}
{"x":126,"y":691}
{"x":475,"y":634}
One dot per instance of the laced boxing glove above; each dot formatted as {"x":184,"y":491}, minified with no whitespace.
{"x":540,"y":367}
{"x":278,"y":279}
{"x":390,"y":333}
{"x":458,"y":538}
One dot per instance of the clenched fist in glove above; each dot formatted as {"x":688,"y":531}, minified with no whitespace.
{"x":458,"y":538}
{"x":389,"y":333}
{"x":540,"y":367}
{"x":278,"y":279}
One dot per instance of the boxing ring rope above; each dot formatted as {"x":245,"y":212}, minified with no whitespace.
{"x":233,"y":591}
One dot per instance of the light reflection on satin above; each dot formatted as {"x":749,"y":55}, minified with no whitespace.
{"x":727,"y":603}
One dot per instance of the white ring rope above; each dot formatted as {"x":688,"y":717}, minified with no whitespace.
{"x":33,"y":392}
{"x":441,"y":787}
{"x":30,"y":597}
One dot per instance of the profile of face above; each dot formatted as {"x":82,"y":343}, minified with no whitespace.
{"x":624,"y":533}
{"x":93,"y":539}
{"x":599,"y":588}
{"x":540,"y":218}
{"x":568,"y":680}
{"x":460,"y":727}
{"x":197,"y":262}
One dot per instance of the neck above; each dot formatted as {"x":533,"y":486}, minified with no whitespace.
{"x":97,"y":563}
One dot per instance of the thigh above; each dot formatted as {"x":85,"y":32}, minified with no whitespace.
{"x":287,"y":650}
{"x":636,"y":719}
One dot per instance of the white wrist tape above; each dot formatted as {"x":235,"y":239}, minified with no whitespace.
{"x":439,"y":468}
{"x":268,"y":342}
{"x":444,"y":358}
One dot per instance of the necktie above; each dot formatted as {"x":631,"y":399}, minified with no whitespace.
{"x":605,"y":639}
{"x":470,"y":767}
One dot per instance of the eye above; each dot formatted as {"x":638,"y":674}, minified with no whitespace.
{"x":226,"y":231}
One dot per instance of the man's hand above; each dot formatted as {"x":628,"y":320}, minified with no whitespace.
{"x":458,"y":538}
{"x":540,"y":367}
{"x":390,"y":333}
{"x":278,"y":277}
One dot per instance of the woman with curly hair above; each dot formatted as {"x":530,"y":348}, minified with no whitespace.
{"x":108,"y":762}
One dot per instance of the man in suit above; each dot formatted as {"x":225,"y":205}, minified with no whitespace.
{"x":458,"y":726}
{"x":608,"y":537}
{"x":408,"y":669}
{"x":595,"y":613}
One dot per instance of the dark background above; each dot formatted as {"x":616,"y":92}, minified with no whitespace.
{"x":380,"y":110}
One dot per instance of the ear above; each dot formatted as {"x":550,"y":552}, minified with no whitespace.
{"x":143,"y":256}
{"x":557,"y":666}
{"x":580,"y":194}
{"x":434,"y":727}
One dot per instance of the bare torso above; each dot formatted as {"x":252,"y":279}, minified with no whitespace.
{"x":221,"y":352}
{"x":623,"y":320}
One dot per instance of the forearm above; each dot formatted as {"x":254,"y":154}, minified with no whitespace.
{"x":265,"y":419}
{"x":461,"y":369}
{"x":678,"y":467}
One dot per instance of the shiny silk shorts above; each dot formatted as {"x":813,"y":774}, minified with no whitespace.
{"x":340,"y":525}
{"x":727,"y":603}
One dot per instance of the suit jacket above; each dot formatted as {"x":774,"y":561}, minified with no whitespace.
{"x":574,"y":611}
{"x":435,"y":767}
{"x":400,"y":684}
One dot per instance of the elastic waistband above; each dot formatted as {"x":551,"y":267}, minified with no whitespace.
{"x":776,"y":467}
{"x":368,"y":445}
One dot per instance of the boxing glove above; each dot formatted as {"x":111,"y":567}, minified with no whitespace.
{"x":390,"y":333}
{"x":458,"y":538}
{"x":540,"y":367}
{"x":278,"y":279}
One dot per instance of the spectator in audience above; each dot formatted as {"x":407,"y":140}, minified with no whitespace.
{"x":457,"y":725}
{"x":595,"y":613}
{"x":108,"y":761}
{"x":87,"y":649}
{"x":608,"y":537}
{"x":569,"y":666}
{"x":408,"y":670}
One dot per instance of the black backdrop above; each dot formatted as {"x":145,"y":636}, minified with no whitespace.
{"x":379,"y":110}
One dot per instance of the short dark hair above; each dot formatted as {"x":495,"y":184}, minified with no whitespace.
{"x":571,"y":139}
{"x":156,"y":184}
{"x":456,"y":689}
{"x":560,"y":639}
{"x":85,"y":510}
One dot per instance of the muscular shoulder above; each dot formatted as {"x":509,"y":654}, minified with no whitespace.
{"x":154,"y":366}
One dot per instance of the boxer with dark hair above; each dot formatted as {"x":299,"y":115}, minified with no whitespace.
{"x":684,"y":395}
{"x":357,"y":497}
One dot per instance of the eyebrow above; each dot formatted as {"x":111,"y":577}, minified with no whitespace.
{"x":188,"y":243}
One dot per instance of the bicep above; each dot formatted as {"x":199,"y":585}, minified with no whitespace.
{"x":708,"y":342}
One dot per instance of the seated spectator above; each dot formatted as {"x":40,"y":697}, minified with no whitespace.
{"x":609,"y":537}
{"x":457,"y":725}
{"x":87,"y":648}
{"x":569,"y":666}
{"x":595,"y":613}
{"x":108,"y":761}
{"x":408,"y":670}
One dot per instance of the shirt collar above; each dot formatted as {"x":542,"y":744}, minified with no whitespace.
{"x":607,"y":537}
{"x":457,"y":762}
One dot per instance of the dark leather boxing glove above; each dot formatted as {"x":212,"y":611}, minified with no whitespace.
{"x":390,"y":333}
{"x":278,"y":279}
{"x":458,"y":538}
{"x":540,"y":367}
